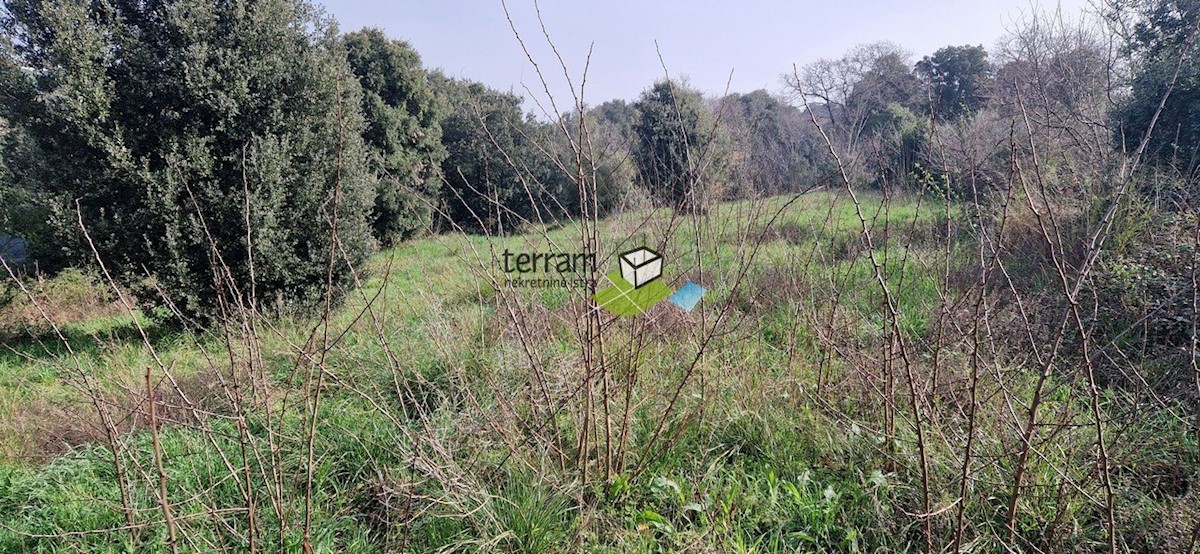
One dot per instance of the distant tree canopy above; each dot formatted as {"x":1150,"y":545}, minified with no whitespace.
{"x":598,"y":170}
{"x":403,"y":131}
{"x":772,"y":142}
{"x":192,"y":135}
{"x":1165,"y":33}
{"x":674,"y":151}
{"x":618,"y":115}
{"x":888,"y":81}
{"x":611,"y":154}
{"x":958,"y":77}
{"x":858,"y":88}
{"x":497,"y":172}
{"x":867,"y":102}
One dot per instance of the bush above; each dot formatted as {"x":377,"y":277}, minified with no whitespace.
{"x":202,"y":144}
{"x":72,"y":296}
{"x":497,"y":174}
{"x":403,"y":131}
{"x":1145,"y":294}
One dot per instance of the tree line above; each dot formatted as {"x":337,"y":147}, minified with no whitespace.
{"x":250,"y":152}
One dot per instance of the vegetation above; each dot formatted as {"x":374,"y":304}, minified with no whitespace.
{"x":497,"y":172}
{"x":957,"y":78}
{"x":186,"y":136}
{"x":675,"y":139}
{"x":403,"y":131}
{"x":1163,"y":42}
{"x":951,"y":304}
{"x":774,"y":142}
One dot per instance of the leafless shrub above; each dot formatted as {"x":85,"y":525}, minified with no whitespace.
{"x":958,"y":345}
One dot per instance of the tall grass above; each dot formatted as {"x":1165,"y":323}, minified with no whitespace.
{"x":870,"y":370}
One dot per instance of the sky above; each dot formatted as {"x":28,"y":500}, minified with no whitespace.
{"x":718,"y":46}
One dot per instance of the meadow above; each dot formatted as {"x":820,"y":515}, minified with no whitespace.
{"x":848,"y":383}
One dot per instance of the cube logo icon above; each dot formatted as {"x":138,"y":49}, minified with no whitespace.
{"x":639,"y":285}
{"x":641,"y":266}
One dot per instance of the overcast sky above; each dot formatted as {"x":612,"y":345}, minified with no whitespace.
{"x":704,"y":40}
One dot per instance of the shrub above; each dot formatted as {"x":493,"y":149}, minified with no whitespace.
{"x":72,"y":296}
{"x":203,"y":144}
{"x":1145,"y":294}
{"x":497,"y":174}
{"x":403,"y":131}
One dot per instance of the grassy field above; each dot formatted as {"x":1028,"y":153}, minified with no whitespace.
{"x":826,"y":395}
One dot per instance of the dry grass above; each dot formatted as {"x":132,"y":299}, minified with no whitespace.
{"x":72,"y":297}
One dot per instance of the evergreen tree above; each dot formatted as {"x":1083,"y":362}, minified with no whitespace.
{"x":194,"y":135}
{"x":403,"y":131}
{"x":674,"y":144}
{"x":1166,"y":31}
{"x":958,"y":77}
{"x":498,"y":170}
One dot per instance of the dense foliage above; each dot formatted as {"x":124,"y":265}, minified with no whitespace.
{"x":958,"y":78}
{"x":1164,"y":45}
{"x":498,"y":175}
{"x":210,"y":149}
{"x":675,"y":136}
{"x":403,"y":132}
{"x":773,"y":142}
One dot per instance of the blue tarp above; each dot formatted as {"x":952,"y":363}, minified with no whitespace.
{"x":14,"y":250}
{"x":688,"y":296}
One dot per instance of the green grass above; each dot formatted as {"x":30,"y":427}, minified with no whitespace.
{"x":756,"y":460}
